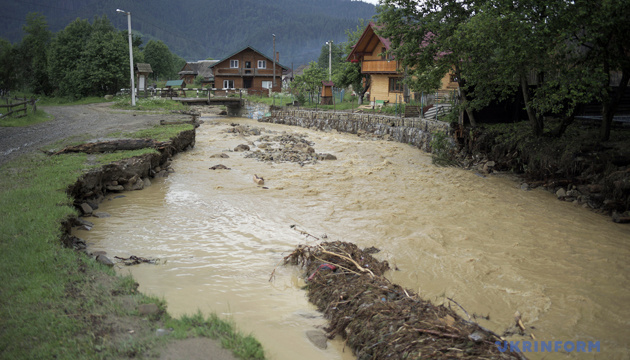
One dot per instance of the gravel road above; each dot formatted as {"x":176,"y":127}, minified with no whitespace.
{"x":79,"y":122}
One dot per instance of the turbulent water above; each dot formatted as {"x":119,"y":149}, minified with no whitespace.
{"x":481,"y":241}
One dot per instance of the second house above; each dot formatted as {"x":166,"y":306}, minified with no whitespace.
{"x":248,"y":69}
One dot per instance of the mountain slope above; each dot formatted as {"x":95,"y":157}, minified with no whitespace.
{"x":199,"y":29}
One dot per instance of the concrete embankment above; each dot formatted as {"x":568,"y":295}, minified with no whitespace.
{"x":414,"y":131}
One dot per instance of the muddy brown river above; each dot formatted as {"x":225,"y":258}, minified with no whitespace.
{"x":480,"y":241}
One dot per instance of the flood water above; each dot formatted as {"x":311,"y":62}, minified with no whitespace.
{"x":482,"y":242}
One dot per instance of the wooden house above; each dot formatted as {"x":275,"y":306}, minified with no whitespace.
{"x":192,"y":70}
{"x":248,"y":69}
{"x":327,"y":92}
{"x":386,"y":85}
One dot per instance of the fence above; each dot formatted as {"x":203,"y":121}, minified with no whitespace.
{"x":20,"y":109}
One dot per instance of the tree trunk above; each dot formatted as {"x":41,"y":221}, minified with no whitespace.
{"x":535,"y":121}
{"x":463,"y":98}
{"x":113,"y":145}
{"x":564,"y":124}
{"x":610,"y":104}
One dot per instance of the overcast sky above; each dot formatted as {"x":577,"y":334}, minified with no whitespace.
{"x":375,"y":2}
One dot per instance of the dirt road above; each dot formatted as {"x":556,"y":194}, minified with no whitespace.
{"x":75,"y":123}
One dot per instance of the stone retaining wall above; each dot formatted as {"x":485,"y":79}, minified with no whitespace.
{"x":414,"y":131}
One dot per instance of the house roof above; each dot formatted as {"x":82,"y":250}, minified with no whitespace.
{"x":251,"y":48}
{"x":143,"y":68}
{"x":199,"y":68}
{"x":175,"y":83}
{"x":368,"y":41}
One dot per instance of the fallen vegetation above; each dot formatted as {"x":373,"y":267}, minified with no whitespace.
{"x":382,"y":320}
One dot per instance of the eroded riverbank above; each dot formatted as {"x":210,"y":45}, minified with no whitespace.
{"x":483,"y":242}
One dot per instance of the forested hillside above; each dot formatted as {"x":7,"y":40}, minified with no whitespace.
{"x":200,"y":29}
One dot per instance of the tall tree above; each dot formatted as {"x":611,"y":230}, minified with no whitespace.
{"x":8,"y":78}
{"x":424,"y":41}
{"x":350,"y":73}
{"x":600,"y":31}
{"x":159,"y":56}
{"x":33,"y":56}
{"x":310,"y":81}
{"x":66,"y":52}
{"x":89,"y":59}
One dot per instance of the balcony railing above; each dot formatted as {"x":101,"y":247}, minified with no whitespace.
{"x":243,"y":72}
{"x":379,"y":66}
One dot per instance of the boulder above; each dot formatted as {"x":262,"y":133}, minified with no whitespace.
{"x":86,"y":209}
{"x":561,"y":193}
{"x":327,"y":157}
{"x":318,"y":338}
{"x":242,"y":147}
{"x":148,"y":309}
{"x":104,"y":260}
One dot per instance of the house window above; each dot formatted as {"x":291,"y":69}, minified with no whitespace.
{"x":234,"y":64}
{"x":228,"y":84}
{"x":454,"y":78}
{"x":266,"y":84}
{"x":385,"y":55}
{"x":395,"y":84}
{"x":262,"y":64}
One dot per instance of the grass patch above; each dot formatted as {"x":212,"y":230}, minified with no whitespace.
{"x":30,"y":119}
{"x":243,"y":346}
{"x":148,"y":104}
{"x":159,"y":132}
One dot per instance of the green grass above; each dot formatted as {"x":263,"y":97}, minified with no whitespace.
{"x":58,"y":303}
{"x":30,"y":119}
{"x":243,"y":346}
{"x":148,"y":104}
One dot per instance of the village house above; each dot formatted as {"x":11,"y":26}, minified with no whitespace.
{"x":386,"y":86}
{"x":192,"y":70}
{"x":248,"y":69}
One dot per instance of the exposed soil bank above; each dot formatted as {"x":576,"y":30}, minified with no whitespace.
{"x":124,"y":175}
{"x":576,"y":167}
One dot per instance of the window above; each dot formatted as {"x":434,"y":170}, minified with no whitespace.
{"x":234,"y":64}
{"x":228,"y":84}
{"x":385,"y":55}
{"x":395,"y":84}
{"x":266,"y":84}
{"x":454,"y":78}
{"x":262,"y":64}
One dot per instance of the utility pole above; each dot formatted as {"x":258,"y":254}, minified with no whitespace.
{"x":133,"y":85}
{"x":330,"y":60}
{"x":274,"y":62}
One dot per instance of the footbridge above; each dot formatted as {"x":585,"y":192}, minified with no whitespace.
{"x":233,"y":104}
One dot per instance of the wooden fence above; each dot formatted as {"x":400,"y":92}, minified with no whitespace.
{"x":20,"y":109}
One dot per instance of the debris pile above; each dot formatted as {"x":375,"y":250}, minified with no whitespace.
{"x":381,"y":320}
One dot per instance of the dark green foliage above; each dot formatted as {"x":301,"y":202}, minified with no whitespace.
{"x":553,"y":54}
{"x":89,"y":59}
{"x":159,"y":56}
{"x":31,"y":61}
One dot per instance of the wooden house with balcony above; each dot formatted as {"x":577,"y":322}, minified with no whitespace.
{"x":386,"y":75}
{"x":248,"y":69}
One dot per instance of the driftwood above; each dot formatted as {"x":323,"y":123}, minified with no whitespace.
{"x":113,"y":145}
{"x":135,"y":260}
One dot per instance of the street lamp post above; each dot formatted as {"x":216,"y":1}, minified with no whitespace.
{"x":274,"y":62}
{"x":329,"y":60}
{"x":133,"y":85}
